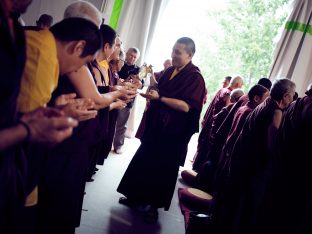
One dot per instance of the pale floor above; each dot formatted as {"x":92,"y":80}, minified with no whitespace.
{"x":102,"y":214}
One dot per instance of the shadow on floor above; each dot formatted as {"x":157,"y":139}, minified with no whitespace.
{"x":104,"y":215}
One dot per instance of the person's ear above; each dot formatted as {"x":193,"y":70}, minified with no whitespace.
{"x":79,"y":47}
{"x":286,"y":96}
{"x":257,"y":99}
{"x":106,"y":46}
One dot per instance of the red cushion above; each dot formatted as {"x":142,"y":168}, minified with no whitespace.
{"x":195,"y":199}
{"x":184,"y":209}
{"x":189,"y":177}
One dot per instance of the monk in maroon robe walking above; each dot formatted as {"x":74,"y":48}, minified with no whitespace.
{"x":171,"y":119}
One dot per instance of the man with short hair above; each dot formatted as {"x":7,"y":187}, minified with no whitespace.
{"x":226,"y":81}
{"x":63,"y":49}
{"x":61,"y":188}
{"x":127,"y":71}
{"x":171,"y":120}
{"x":45,"y":21}
{"x":68,"y":45}
{"x":44,"y":125}
{"x":292,"y":171}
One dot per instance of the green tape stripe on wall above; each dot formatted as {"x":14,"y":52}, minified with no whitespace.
{"x":296,"y":26}
{"x":113,"y":22}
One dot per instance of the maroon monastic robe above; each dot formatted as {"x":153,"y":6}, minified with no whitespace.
{"x":292,"y":173}
{"x":205,"y":175}
{"x":215,"y":107}
{"x":106,"y":144}
{"x":240,"y":201}
{"x":224,"y":128}
{"x":12,"y":161}
{"x":63,"y":173}
{"x":151,"y":175}
{"x":222,"y":169}
{"x":237,"y":125}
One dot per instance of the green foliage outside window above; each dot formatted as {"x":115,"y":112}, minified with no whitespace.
{"x":244,"y":42}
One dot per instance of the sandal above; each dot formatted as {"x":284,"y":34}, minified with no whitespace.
{"x":151,"y":216}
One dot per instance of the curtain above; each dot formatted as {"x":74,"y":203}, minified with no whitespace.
{"x":136,"y":26}
{"x":293,"y":52}
{"x":137,"y":23}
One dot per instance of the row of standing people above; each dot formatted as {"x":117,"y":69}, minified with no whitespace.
{"x":43,"y":191}
{"x":42,"y":188}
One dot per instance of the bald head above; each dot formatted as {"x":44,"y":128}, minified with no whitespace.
{"x":167,"y":63}
{"x":236,"y":94}
{"x":236,"y":82}
{"x":84,"y":9}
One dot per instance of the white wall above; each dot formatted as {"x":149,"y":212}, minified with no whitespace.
{"x":56,"y":8}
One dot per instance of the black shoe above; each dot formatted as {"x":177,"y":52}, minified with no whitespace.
{"x":96,"y":169}
{"x":125,"y":201}
{"x":139,"y":206}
